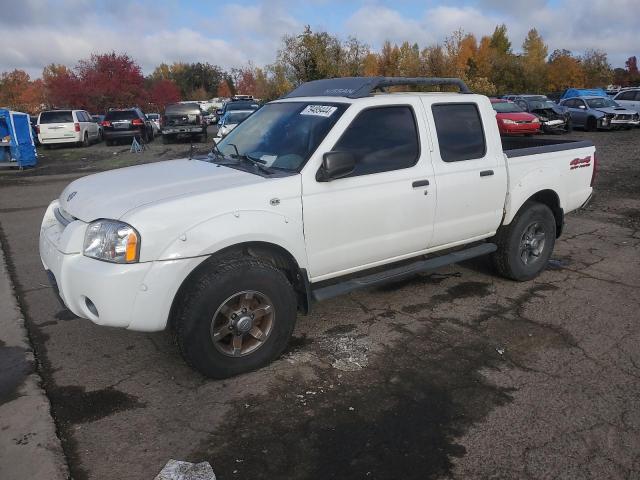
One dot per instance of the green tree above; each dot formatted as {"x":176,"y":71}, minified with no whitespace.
{"x":597,"y":70}
{"x":500,"y":41}
{"x":534,"y":62}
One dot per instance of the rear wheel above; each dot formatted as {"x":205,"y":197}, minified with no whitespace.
{"x":85,"y":140}
{"x":238,"y":316}
{"x":525,"y":245}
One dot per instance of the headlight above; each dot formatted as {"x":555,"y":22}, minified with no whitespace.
{"x":535,"y":120}
{"x":112,"y":241}
{"x":508,"y":121}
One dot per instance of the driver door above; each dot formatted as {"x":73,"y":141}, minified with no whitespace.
{"x":383,"y":210}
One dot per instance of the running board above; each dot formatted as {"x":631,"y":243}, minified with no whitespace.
{"x":399,"y":273}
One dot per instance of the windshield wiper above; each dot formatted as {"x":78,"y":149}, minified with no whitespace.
{"x":259,"y":164}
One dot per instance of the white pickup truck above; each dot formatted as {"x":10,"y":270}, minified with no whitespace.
{"x":332,"y":188}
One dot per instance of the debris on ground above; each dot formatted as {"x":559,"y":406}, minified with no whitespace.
{"x":500,"y":350}
{"x":179,"y":470}
{"x":348,"y":353}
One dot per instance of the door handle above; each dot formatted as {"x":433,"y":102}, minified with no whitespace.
{"x":486,"y":173}
{"x":420,"y":183}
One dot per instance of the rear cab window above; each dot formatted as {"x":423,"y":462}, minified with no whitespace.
{"x":460,"y":131}
{"x":60,"y":116}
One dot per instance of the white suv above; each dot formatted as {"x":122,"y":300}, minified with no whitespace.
{"x":629,"y":98}
{"x":67,"y":126}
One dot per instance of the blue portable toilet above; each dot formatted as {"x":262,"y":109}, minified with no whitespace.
{"x":17,"y":148}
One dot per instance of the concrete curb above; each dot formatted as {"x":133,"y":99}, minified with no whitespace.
{"x":29,"y":446}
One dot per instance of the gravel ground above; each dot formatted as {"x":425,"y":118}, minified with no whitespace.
{"x":459,"y":374}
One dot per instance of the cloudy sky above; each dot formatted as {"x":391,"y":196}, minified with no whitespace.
{"x":233,"y":32}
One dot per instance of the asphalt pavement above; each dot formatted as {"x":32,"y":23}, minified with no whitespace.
{"x":458,"y":374}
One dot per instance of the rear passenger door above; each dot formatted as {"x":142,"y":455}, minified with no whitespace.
{"x":470,"y":173}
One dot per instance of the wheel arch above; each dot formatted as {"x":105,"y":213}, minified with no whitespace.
{"x":277,"y":255}
{"x":551,"y":199}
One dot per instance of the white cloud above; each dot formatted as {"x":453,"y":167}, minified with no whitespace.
{"x":39,"y":32}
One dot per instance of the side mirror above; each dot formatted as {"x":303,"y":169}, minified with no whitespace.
{"x":219,"y":112}
{"x":336,"y":165}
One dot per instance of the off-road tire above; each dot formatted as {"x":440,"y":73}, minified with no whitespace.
{"x":195,"y":312}
{"x":507,"y":259}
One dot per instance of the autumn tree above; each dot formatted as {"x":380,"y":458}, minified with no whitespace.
{"x":596,"y":67}
{"x":534,"y":63}
{"x":409,"y":60}
{"x":19,"y":92}
{"x":224,"y":91}
{"x":564,"y":71}
{"x":62,"y":87}
{"x":354,"y":54}
{"x":162,"y":93}
{"x":370,"y":65}
{"x":110,"y":80}
{"x":388,"y":60}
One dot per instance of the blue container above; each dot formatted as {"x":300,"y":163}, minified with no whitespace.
{"x":17,"y":147}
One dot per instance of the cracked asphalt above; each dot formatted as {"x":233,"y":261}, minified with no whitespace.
{"x":458,"y":374}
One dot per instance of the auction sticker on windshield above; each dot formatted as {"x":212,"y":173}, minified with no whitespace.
{"x":319,"y":110}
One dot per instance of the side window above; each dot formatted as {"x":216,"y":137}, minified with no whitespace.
{"x":523,"y":105}
{"x":630,"y":95}
{"x":382,"y":139}
{"x":569,"y":103}
{"x":459,"y":130}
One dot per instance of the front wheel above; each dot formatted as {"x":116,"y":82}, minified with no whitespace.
{"x":238,"y":316}
{"x":525,"y":245}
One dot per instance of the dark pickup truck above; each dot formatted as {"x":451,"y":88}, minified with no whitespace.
{"x":183,"y":120}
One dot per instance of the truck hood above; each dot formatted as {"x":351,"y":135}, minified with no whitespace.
{"x":114,"y":193}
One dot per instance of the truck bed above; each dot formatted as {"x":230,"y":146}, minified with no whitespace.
{"x":521,"y":146}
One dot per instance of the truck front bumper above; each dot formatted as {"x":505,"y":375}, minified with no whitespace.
{"x":134,"y":296}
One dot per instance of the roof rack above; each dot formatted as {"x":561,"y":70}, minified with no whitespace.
{"x":359,"y":87}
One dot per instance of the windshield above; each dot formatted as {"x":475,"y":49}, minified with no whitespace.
{"x":282,"y":135}
{"x":236,"y":117}
{"x":506,"y":107}
{"x":601,"y":103}
{"x":540,"y":103}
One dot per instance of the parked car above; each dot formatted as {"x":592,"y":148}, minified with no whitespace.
{"x":595,"y":113}
{"x":155,"y":120}
{"x":553,"y":117}
{"x":220,"y":248}
{"x":239,"y":105}
{"x":57,"y":127}
{"x":99,"y":119}
{"x":125,"y":124}
{"x":33,"y":121}
{"x":183,"y":120}
{"x":231,"y":120}
{"x":512,"y":120}
{"x":629,"y":98}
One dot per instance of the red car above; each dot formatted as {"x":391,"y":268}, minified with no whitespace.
{"x":512,"y":120}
